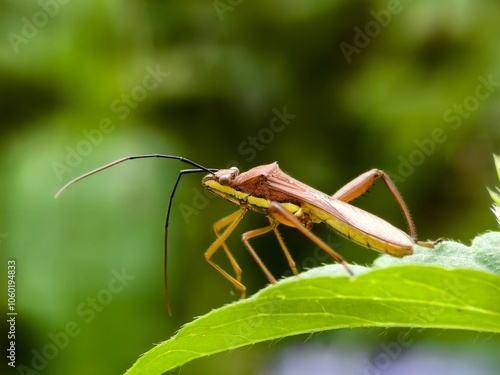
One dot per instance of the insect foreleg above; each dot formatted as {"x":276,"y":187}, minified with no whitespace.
{"x":232,"y":220}
{"x":222,"y":223}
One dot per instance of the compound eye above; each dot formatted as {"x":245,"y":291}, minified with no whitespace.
{"x":224,"y":179}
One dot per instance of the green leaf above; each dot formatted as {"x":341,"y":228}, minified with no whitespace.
{"x":495,"y":195}
{"x":450,"y":286}
{"x":496,"y":159}
{"x":482,"y":255}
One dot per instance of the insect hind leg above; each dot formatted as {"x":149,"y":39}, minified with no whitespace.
{"x":364,"y":182}
{"x":278,"y":212}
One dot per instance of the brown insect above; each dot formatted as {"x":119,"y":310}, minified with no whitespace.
{"x":267,"y":190}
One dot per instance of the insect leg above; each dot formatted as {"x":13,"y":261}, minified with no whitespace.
{"x":362,"y":183}
{"x":291,"y":262}
{"x":222,"y":223}
{"x":254,"y":233}
{"x":276,"y":210}
{"x":232,"y":220}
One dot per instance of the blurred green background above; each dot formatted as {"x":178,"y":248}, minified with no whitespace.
{"x":409,"y":87}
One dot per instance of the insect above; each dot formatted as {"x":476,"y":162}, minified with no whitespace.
{"x":267,"y":190}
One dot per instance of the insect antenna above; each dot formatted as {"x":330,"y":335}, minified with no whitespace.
{"x":113,"y":163}
{"x":199,"y":169}
{"x":165,"y":244}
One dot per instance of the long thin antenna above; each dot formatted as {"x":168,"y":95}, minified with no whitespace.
{"x":165,"y":244}
{"x":180,"y":158}
{"x":199,"y":169}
